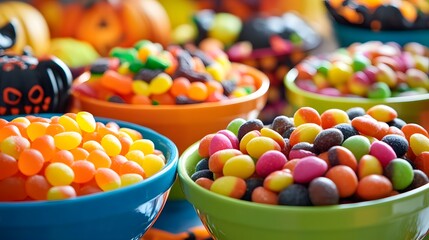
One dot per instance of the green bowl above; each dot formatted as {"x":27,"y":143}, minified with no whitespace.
{"x":411,"y":109}
{"x":404,"y":216}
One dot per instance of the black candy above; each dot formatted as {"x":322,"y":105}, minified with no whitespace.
{"x":281,"y":124}
{"x":398,"y":143}
{"x":323,"y":191}
{"x":202,"y":165}
{"x":251,"y":184}
{"x":347,"y":130}
{"x":248,"y":126}
{"x":202,"y":173}
{"x":355,"y":112}
{"x":295,"y":195}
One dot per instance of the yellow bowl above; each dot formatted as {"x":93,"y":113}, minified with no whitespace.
{"x":412,"y":109}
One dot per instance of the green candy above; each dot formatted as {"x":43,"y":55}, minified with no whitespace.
{"x":400,"y":172}
{"x":358,"y":145}
{"x":379,"y":90}
{"x":235,"y":124}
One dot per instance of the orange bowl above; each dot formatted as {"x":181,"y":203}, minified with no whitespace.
{"x":183,"y":124}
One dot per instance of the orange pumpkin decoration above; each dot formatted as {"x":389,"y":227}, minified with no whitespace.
{"x":31,"y":27}
{"x":107,"y":23}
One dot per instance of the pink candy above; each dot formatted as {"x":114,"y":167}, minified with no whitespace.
{"x":383,"y":152}
{"x":309,"y":168}
{"x":269,"y":162}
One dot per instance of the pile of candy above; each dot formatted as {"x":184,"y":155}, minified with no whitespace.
{"x":71,"y":155}
{"x":370,"y":70}
{"x":381,"y":14}
{"x":315,"y":159}
{"x":147,"y":74}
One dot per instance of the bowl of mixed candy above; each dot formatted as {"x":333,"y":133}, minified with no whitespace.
{"x":364,"y":75}
{"x":338,"y":174}
{"x":73,"y":176}
{"x":365,"y":20}
{"x":181,"y":92}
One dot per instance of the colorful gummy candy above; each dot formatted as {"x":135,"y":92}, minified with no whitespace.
{"x":372,"y":70}
{"x":301,"y":161}
{"x":80,"y":157}
{"x":147,"y":74}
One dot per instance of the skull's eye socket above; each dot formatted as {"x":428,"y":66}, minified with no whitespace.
{"x":35,"y":95}
{"x":12,"y":96}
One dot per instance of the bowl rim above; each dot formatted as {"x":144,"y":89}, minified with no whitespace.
{"x":291,"y":76}
{"x":170,"y":165}
{"x":185,"y":179}
{"x":260,"y":92}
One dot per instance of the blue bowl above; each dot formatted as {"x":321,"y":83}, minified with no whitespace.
{"x":125,"y":213}
{"x":347,"y":34}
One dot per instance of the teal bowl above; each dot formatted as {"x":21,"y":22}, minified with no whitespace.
{"x":125,"y":213}
{"x":348,"y":34}
{"x":401,"y":217}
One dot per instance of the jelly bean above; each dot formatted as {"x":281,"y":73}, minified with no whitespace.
{"x":269,"y":162}
{"x":67,"y":140}
{"x":344,"y":178}
{"x":36,"y":129}
{"x":12,"y":189}
{"x":268,"y":132}
{"x":246,"y":139}
{"x":422,"y":162}
{"x":69,"y":124}
{"x":231,"y":136}
{"x":144,"y":145}
{"x":14,"y":145}
{"x":278,"y":180}
{"x":61,"y":193}
{"x":386,"y":75}
{"x":136,"y":156}
{"x":374,"y":187}
{"x":111,"y":144}
{"x":59,"y":174}
{"x":219,"y":142}
{"x":63,"y":156}
{"x":8,"y":166}
{"x":339,"y":155}
{"x":241,"y":166}
{"x":251,"y":184}
{"x":92,"y":145}
{"x":235,"y":124}
{"x":382,"y":113}
{"x":9,"y":130}
{"x":259,"y":145}
{"x":54,"y":128}
{"x":204,"y":173}
{"x":107,"y":179}
{"x":383,"y":152}
{"x":263,"y":195}
{"x":347,"y":130}
{"x":204,"y":144}
{"x":398,"y":143}
{"x":99,"y":158}
{"x":400,"y":173}
{"x":45,"y":145}
{"x":204,"y":182}
{"x":332,"y":117}
{"x":290,"y":165}
{"x":368,"y":165}
{"x":85,"y":121}
{"x":355,"y":112}
{"x":323,"y":191}
{"x":130,"y":179}
{"x":411,"y":128}
{"x":282,"y":123}
{"x":339,"y":73}
{"x":217,"y":160}
{"x":30,"y":162}
{"x":231,"y":186}
{"x":419,"y":143}
{"x":306,"y":115}
{"x":249,"y":125}
{"x":367,"y":126}
{"x":420,"y":179}
{"x":160,"y":84}
{"x":197,"y":91}
{"x":295,"y":195}
{"x":358,"y":145}
{"x":309,"y":168}
{"x":37,"y":187}
{"x":306,"y":132}
{"x":84,"y":171}
{"x":152,"y":164}
{"x":379,"y":90}
{"x":202,"y":164}
{"x":117,"y":161}
{"x":326,"y":139}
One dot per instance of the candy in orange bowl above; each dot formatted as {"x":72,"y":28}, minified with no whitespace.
{"x":179,"y":113}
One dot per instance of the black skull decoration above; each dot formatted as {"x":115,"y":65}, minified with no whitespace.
{"x":31,"y":85}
